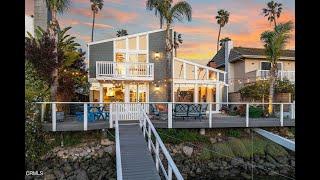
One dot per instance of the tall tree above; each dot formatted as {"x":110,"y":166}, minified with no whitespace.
{"x":171,"y":13}
{"x":177,"y":41}
{"x":157,"y":6}
{"x":274,"y":42}
{"x":222,"y":19}
{"x":96,"y":5}
{"x":121,"y":32}
{"x":55,"y":7}
{"x":273,"y":11}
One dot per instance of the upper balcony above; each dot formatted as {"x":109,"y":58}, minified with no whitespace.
{"x":124,"y":71}
{"x":265,"y":74}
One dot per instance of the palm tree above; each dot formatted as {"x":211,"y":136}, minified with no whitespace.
{"x":157,"y":6}
{"x":55,"y":6}
{"x":273,"y":11}
{"x":171,"y":13}
{"x":96,"y":5}
{"x":223,"y":40}
{"x":177,"y":40}
{"x":122,"y":32}
{"x":274,"y":42}
{"x":222,"y":19}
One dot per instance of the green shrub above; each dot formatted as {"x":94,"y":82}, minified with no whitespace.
{"x":238,"y":148}
{"x":35,"y":144}
{"x":177,"y":136}
{"x":233,"y":133}
{"x":205,"y":154}
{"x":259,"y":145}
{"x":275,"y":150}
{"x":255,"y":112}
{"x":221,"y":150}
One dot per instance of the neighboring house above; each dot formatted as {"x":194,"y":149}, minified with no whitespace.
{"x":246,"y":65}
{"x":133,"y":68}
{"x":29,"y":25}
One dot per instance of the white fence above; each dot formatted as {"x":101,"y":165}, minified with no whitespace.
{"x":265,"y":74}
{"x":116,"y":70}
{"x":149,"y":131}
{"x":132,"y":111}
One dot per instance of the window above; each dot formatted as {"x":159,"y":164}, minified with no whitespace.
{"x":121,"y":44}
{"x":143,"y":42}
{"x":120,"y":57}
{"x":142,"y":58}
{"x":267,"y":66}
{"x":133,"y":43}
{"x":133,"y":58}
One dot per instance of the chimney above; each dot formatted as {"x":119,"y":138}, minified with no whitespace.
{"x":228,"y":45}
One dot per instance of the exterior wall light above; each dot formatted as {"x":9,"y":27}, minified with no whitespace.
{"x":157,"y":87}
{"x":157,"y":55}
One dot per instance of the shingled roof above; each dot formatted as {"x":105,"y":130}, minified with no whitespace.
{"x":237,"y":53}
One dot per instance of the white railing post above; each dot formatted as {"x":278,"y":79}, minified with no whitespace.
{"x":149,"y":137}
{"x":292,"y":110}
{"x":157,"y":155}
{"x":85,"y":116}
{"x":110,"y":116}
{"x":54,"y":117}
{"x":43,"y":108}
{"x":210,"y":115}
{"x":169,"y":115}
{"x":144,"y":126}
{"x":281,"y":114}
{"x":247,"y":115}
{"x":169,"y":172}
{"x":97,"y":69}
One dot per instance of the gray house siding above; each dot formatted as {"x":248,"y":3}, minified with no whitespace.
{"x":157,"y":43}
{"x":99,"y":52}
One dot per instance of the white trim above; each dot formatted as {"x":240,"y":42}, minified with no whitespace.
{"x":260,"y":56}
{"x":123,"y":37}
{"x":88,"y":61}
{"x":199,"y":65}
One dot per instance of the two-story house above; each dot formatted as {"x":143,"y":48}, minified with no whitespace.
{"x":247,"y":65}
{"x":134,"y":68}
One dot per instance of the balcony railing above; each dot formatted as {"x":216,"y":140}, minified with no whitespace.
{"x":265,"y":74}
{"x":124,"y":71}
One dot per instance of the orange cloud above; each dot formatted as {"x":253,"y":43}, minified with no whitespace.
{"x":98,"y":25}
{"x":120,"y":16}
{"x":85,"y":38}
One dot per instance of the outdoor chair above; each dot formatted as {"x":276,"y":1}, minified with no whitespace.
{"x":180,"y":110}
{"x":154,"y":110}
{"x":194,"y":110}
{"x":203,"y":110}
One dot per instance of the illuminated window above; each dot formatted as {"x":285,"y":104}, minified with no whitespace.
{"x":142,"y":58}
{"x":143,"y":42}
{"x":120,"y":57}
{"x":133,"y":43}
{"x":121,"y":44}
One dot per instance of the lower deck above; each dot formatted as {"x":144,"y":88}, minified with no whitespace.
{"x":218,"y":121}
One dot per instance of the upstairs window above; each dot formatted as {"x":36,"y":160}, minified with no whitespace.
{"x":121,"y":44}
{"x":143,"y":42}
{"x":133,"y":43}
{"x":267,"y":66}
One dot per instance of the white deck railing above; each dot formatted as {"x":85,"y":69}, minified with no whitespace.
{"x":131,"y":71}
{"x":149,"y":130}
{"x":132,"y":111}
{"x":265,"y":74}
{"x":118,"y":151}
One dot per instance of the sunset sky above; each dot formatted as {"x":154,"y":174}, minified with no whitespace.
{"x":199,"y":36}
